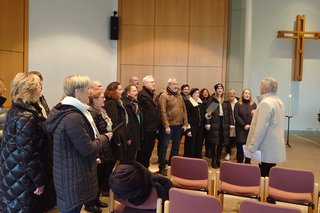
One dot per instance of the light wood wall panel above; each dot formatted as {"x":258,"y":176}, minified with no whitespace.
{"x":11,"y":20}
{"x":137,"y":45}
{"x":208,"y":13}
{"x":132,"y":70}
{"x":172,"y":12}
{"x":171,"y":45}
{"x":163,"y":73}
{"x":138,"y":12}
{"x":186,"y":39}
{"x":13,"y":41}
{"x":206,"y":46}
{"x":204,"y":77}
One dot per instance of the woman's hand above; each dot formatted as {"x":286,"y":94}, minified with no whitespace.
{"x":39,"y":190}
{"x":109,"y":135}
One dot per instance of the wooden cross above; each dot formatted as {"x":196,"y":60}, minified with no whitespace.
{"x":299,"y":35}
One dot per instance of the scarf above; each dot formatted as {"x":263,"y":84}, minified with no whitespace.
{"x":104,"y":115}
{"x":68,"y":100}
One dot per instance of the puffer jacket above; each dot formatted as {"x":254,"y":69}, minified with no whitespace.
{"x":74,"y":156}
{"x":21,"y":166}
{"x":213,"y":133}
{"x":3,"y":114}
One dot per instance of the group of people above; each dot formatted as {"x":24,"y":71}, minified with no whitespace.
{"x":77,"y":143}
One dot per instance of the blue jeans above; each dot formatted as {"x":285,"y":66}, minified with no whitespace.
{"x":175,"y":135}
{"x":75,"y":210}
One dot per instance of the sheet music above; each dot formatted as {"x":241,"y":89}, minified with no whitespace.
{"x":253,"y":155}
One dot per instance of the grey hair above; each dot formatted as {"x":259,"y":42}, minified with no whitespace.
{"x":147,"y":78}
{"x":73,"y":82}
{"x":270,"y":84}
{"x":171,"y":80}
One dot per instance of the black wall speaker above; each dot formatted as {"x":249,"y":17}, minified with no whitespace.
{"x":114,"y":26}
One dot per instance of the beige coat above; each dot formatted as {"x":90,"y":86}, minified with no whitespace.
{"x":267,"y":130}
{"x":173,"y":109}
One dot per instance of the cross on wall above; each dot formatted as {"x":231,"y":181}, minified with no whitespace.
{"x":299,"y":35}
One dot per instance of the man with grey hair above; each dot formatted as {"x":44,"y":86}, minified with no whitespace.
{"x":151,"y":119}
{"x":174,"y":118}
{"x":267,"y":127}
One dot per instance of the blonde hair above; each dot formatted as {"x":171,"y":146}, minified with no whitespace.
{"x":251,"y":102}
{"x":24,"y":86}
{"x":73,"y":82}
{"x":2,"y":87}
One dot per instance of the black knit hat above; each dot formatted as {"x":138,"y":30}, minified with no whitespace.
{"x":193,"y":90}
{"x":218,"y":85}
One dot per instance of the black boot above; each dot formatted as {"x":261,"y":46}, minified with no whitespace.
{"x":91,"y":207}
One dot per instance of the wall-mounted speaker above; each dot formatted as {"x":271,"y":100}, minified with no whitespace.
{"x":114,"y":26}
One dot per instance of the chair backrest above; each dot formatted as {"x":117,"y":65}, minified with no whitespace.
{"x":189,"y":168}
{"x":187,"y":201}
{"x":291,"y":180}
{"x":252,"y":206}
{"x":240,"y":174}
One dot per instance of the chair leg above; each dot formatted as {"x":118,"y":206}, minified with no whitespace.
{"x":221,"y":198}
{"x":315,"y":197}
{"x":111,"y":201}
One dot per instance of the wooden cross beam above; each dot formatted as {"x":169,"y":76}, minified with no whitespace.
{"x":299,"y":35}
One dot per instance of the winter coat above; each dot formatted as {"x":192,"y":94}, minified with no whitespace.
{"x":117,"y":113}
{"x":149,"y":105}
{"x":267,"y":130}
{"x":134,"y":124}
{"x":21,"y":164}
{"x":243,"y":117}
{"x":105,"y":154}
{"x":196,"y":112}
{"x":74,"y":156}
{"x":214,"y":121}
{"x":173,"y":109}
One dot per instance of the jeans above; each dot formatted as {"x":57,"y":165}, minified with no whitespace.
{"x":175,"y":135}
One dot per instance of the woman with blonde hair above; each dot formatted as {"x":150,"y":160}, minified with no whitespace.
{"x":3,"y":111}
{"x":22,"y":174}
{"x":243,"y":113}
{"x":76,"y":142}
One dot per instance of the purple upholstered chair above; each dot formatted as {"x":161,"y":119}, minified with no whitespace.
{"x":187,"y":201}
{"x":259,"y":207}
{"x":237,"y":179}
{"x":292,"y":186}
{"x":190,"y":173}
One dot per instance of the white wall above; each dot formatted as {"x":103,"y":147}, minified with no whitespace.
{"x":274,"y":57}
{"x":71,"y":37}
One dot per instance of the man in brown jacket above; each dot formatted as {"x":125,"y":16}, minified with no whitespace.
{"x":174,"y":118}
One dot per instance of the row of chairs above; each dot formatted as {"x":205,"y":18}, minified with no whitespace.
{"x":237,"y":179}
{"x":283,"y":184}
{"x":187,"y":201}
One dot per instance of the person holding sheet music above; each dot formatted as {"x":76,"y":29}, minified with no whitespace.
{"x":266,"y":133}
{"x":218,"y":124}
{"x":118,"y":114}
{"x":243,"y":113}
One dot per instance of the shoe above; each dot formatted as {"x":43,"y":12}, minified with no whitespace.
{"x":227,"y":157}
{"x":214,"y":165}
{"x":104,"y":193}
{"x":101,"y":204}
{"x":93,"y":209}
{"x":163,"y":172}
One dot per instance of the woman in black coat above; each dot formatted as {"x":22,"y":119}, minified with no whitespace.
{"x":243,"y":113}
{"x":196,"y":111}
{"x":218,"y":126}
{"x":119,"y":116}
{"x":22,"y":173}
{"x":135,"y":119}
